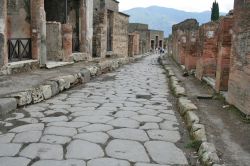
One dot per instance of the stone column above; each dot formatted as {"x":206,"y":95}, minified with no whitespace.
{"x":37,"y":20}
{"x":83,"y":26}
{"x":3,"y":35}
{"x":239,"y":78}
{"x":67,"y":32}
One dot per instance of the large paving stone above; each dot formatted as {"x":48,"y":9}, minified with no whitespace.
{"x":68,"y":124}
{"x":165,"y":153}
{"x":147,"y":118}
{"x":61,"y":131}
{"x":29,"y":127}
{"x":145,"y":164}
{"x":79,"y":149}
{"x":130,"y":134}
{"x":168,"y":117}
{"x":59,"y":163}
{"x":95,"y":128}
{"x":149,"y":126}
{"x":148,"y":112}
{"x":107,"y":162}
{"x":14,"y":161}
{"x":164,"y":135}
{"x":125,"y":114}
{"x":8,"y":150}
{"x":7,"y":105}
{"x":54,"y":139}
{"x":169,"y":125}
{"x":6,"y":138}
{"x":43,"y":151}
{"x":127,"y":150}
{"x":124,"y":122}
{"x":95,"y":137}
{"x":93,"y":119}
{"x":54,"y":119}
{"x":16,"y":116}
{"x":28,"y":137}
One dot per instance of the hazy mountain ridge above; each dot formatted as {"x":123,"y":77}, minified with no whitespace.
{"x":162,"y":18}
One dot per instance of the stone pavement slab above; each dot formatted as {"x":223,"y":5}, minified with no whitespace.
{"x":14,"y":161}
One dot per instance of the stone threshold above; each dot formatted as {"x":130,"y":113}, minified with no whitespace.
{"x":54,"y":64}
{"x":52,"y":87}
{"x":20,"y":66}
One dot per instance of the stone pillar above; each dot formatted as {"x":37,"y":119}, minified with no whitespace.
{"x":67,"y":33}
{"x":239,"y":78}
{"x":43,"y":50}
{"x":37,"y":19}
{"x":3,"y":31}
{"x":224,"y":52}
{"x":83,"y":26}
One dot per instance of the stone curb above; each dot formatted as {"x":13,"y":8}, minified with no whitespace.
{"x":207,"y":151}
{"x":52,"y":87}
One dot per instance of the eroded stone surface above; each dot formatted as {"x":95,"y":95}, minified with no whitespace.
{"x":54,"y":139}
{"x":8,"y":150}
{"x":43,"y":151}
{"x":95,"y":137}
{"x":29,"y":127}
{"x":28,"y":137}
{"x":124,"y":122}
{"x":79,"y":149}
{"x":108,"y":162}
{"x":14,"y":161}
{"x":62,"y":131}
{"x":129,"y":134}
{"x":165,"y":153}
{"x":59,"y":163}
{"x":164,"y":135}
{"x":128,"y":150}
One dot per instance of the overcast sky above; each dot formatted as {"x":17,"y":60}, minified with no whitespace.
{"x":187,"y":5}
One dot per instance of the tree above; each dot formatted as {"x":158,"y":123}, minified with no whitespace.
{"x":215,"y":14}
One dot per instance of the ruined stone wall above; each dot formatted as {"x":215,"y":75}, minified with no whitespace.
{"x":152,"y":36}
{"x":3,"y":36}
{"x":134,"y":44}
{"x":143,"y":31}
{"x":224,"y":52}
{"x":112,"y":5}
{"x":120,"y":34}
{"x":239,"y":79}
{"x":54,"y":41}
{"x":184,"y":43}
{"x":19,"y":19}
{"x":207,"y":50}
{"x":89,"y":27}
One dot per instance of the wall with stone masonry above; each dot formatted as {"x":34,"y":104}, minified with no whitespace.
{"x":134,"y":44}
{"x":120,"y":34}
{"x":152,"y":36}
{"x":224,"y":52}
{"x":239,"y":79}
{"x":3,"y":36}
{"x":19,"y":19}
{"x":207,"y":50}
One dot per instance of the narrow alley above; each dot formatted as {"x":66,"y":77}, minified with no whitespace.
{"x":122,"y":118}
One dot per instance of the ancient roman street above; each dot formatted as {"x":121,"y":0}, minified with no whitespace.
{"x":122,"y":118}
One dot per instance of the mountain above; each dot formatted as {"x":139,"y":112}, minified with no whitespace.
{"x":162,"y":18}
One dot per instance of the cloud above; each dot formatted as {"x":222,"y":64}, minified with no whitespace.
{"x":186,"y":5}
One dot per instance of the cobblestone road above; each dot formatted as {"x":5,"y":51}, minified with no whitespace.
{"x":120,"y":119}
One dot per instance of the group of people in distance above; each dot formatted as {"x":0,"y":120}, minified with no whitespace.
{"x":159,"y":50}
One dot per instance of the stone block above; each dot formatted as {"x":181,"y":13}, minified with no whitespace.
{"x":23,"y":98}
{"x":191,"y":118}
{"x":85,"y":74}
{"x":198,"y":132}
{"x":47,"y":91}
{"x":7,"y":105}
{"x":186,"y":105}
{"x":37,"y":95}
{"x":93,"y":70}
{"x":54,"y":87}
{"x":207,"y":152}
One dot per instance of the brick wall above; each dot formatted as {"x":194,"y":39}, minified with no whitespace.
{"x":207,"y":50}
{"x":120,"y":34}
{"x":224,"y":52}
{"x":239,"y":79}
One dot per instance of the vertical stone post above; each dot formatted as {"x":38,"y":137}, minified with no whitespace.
{"x":3,"y":31}
{"x":239,"y":78}
{"x":43,"y":50}
{"x":83,"y":26}
{"x":37,"y":23}
{"x":67,"y":32}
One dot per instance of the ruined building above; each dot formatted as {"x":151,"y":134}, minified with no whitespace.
{"x":239,"y":78}
{"x":149,"y":39}
{"x":110,"y":29}
{"x":185,"y":43}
